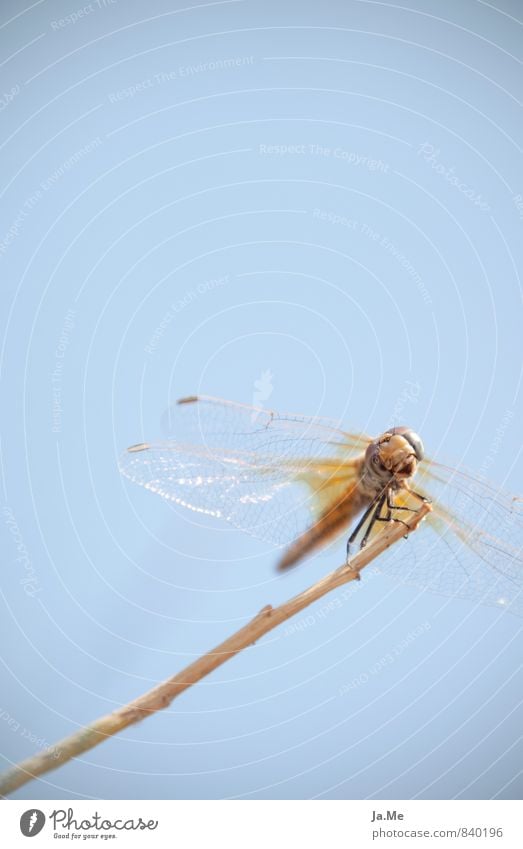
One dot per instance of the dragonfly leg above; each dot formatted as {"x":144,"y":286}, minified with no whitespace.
{"x":375,"y":518}
{"x":391,"y":506}
{"x":373,"y":511}
{"x":360,"y":524}
{"x":392,"y":519}
{"x":422,"y":498}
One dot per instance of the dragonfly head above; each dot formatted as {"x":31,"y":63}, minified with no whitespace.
{"x":397,"y":452}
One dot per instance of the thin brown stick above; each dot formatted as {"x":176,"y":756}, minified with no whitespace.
{"x":162,"y":695}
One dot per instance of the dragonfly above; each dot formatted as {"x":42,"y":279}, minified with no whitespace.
{"x":302,"y":483}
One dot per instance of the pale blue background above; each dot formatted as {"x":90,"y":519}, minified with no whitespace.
{"x":176,"y":193}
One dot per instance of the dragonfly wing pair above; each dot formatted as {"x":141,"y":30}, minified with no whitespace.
{"x":275,"y":475}
{"x":269,"y":474}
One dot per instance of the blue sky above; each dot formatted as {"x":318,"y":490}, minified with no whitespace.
{"x":319,"y":205}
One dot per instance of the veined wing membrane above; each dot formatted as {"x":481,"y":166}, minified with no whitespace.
{"x":204,"y":420}
{"x":470,"y":546}
{"x":273,"y":474}
{"x":267,"y":473}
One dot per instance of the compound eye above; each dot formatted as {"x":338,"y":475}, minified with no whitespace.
{"x":414,"y":440}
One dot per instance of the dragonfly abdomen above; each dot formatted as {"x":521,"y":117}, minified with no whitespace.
{"x":329,"y":525}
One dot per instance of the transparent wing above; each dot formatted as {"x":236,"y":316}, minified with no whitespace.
{"x":273,"y":474}
{"x":471,"y":546}
{"x":222,"y":424}
{"x":270,"y":474}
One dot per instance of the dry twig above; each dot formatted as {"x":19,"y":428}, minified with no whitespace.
{"x":162,"y":695}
